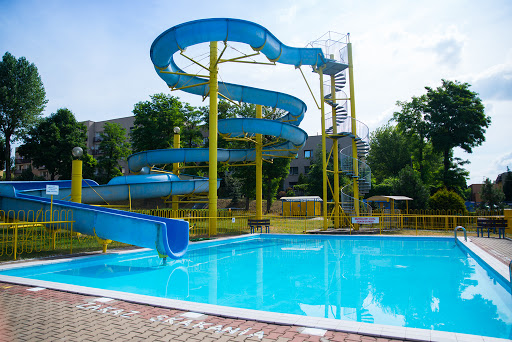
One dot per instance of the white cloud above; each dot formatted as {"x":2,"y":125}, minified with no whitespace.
{"x":496,"y":82}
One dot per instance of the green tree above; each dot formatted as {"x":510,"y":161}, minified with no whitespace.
{"x":230,"y":187}
{"x":247,"y":178}
{"x":50,"y":142}
{"x":507,"y":185}
{"x":28,"y":175}
{"x":492,"y":196}
{"x":155,"y":121}
{"x":22,"y":101}
{"x":409,"y":184}
{"x":191,"y":130}
{"x":273,"y":175}
{"x":384,"y":188}
{"x":113,"y":148}
{"x":411,"y":122}
{"x":445,"y":199}
{"x":389,"y":152}
{"x":456,"y":118}
{"x":2,"y":152}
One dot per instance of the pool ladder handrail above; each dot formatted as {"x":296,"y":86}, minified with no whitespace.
{"x":455,"y":233}
{"x":510,"y":273}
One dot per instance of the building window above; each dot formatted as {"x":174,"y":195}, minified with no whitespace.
{"x":294,"y":170}
{"x":307,"y":154}
{"x":306,"y":169}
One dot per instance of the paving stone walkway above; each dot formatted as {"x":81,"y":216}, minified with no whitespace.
{"x":48,"y":315}
{"x":501,"y":249}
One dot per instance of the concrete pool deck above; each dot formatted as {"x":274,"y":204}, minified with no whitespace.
{"x":32,"y":313}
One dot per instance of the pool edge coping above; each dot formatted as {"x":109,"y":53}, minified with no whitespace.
{"x":369,"y":329}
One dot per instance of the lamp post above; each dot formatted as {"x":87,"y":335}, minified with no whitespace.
{"x":76,"y":175}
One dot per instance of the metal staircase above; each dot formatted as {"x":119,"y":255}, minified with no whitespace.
{"x":345,"y":127}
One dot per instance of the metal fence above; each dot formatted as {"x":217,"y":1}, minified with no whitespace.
{"x":26,"y":232}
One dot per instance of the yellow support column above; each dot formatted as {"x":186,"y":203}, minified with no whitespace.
{"x":354,"y":131}
{"x":336,"y":194}
{"x":176,"y":171}
{"x":212,"y":138}
{"x":259,"y":168}
{"x":324,"y":148}
{"x":76,"y":181}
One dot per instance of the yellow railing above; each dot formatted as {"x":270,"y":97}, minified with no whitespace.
{"x":42,"y":232}
{"x":26,"y":232}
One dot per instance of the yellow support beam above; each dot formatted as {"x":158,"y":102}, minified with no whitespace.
{"x":176,"y":170}
{"x":354,"y":131}
{"x":324,"y":148}
{"x":212,"y":139}
{"x":259,"y":168}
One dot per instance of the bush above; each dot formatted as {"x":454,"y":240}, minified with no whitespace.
{"x":445,"y":199}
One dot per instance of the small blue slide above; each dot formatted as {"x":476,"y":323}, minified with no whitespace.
{"x":170,"y":237}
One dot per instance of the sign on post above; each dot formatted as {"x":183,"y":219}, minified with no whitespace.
{"x":365,"y":220}
{"x":52,"y":189}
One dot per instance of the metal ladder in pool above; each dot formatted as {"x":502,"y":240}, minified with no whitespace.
{"x":455,"y":233}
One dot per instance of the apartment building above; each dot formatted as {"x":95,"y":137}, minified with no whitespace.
{"x":94,"y":130}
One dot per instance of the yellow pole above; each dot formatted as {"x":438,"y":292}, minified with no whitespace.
{"x":354,"y":132}
{"x":15,"y":249}
{"x":259,"y":168}
{"x":176,"y":171}
{"x":335,"y":160}
{"x":324,"y":147}
{"x":76,"y":181}
{"x":212,"y":138}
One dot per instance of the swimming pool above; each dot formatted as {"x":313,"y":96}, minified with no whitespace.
{"x":426,"y":283}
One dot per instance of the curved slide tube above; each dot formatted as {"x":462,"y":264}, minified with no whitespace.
{"x":169,"y":237}
{"x":179,"y":37}
{"x":135,"y":187}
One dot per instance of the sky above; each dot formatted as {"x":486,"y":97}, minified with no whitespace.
{"x":93,"y":56}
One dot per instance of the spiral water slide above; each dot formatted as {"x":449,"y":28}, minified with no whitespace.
{"x":170,"y":237}
{"x":180,"y":37}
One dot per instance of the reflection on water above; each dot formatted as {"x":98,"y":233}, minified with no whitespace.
{"x":414,"y":283}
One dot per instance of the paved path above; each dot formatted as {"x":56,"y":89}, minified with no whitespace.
{"x":501,"y":249}
{"x":48,"y":315}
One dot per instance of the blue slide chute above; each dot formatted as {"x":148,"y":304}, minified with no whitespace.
{"x":180,"y":37}
{"x":168,"y":236}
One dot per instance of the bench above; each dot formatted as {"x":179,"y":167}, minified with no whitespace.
{"x":255,"y":224}
{"x":491,"y":224}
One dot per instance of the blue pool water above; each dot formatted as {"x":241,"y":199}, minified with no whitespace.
{"x":427,"y":283}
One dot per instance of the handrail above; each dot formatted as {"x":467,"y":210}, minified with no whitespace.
{"x":510,"y":273}
{"x":455,"y":233}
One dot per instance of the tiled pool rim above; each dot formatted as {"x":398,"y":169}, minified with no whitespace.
{"x":370,"y":329}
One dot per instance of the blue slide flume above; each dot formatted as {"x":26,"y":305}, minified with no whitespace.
{"x":167,"y":236}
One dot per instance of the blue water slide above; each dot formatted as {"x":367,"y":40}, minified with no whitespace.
{"x":124,"y":188}
{"x":169,"y":237}
{"x":180,"y":37}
